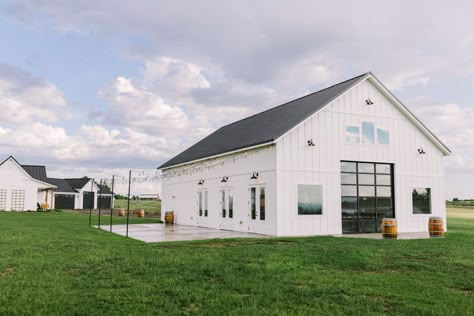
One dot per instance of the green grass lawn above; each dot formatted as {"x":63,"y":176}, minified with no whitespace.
{"x":151,"y":206}
{"x":54,"y":264}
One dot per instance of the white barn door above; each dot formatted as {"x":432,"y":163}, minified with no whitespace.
{"x":257,"y":219}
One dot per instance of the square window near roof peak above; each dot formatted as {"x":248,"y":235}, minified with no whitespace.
{"x":368,"y":133}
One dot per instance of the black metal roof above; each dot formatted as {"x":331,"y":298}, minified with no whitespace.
{"x":36,"y":172}
{"x":62,"y":185}
{"x":104,"y":189}
{"x":78,"y":183}
{"x":263,"y":127}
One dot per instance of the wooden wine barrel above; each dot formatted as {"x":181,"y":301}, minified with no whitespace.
{"x":141,"y":213}
{"x":435,"y":227}
{"x":122,"y":212}
{"x":389,"y":228}
{"x":169,"y":217}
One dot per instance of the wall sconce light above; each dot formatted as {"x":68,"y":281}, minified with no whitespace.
{"x":310,"y":142}
{"x":254,"y":176}
{"x":369,"y":102}
{"x":224,"y":179}
{"x":421,"y":151}
{"x":201,"y":182}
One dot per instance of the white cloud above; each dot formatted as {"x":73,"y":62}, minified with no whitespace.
{"x":132,"y":105}
{"x":453,"y":123}
{"x":95,"y":144}
{"x":169,"y":74}
{"x":25,"y":98}
{"x":409,"y":78}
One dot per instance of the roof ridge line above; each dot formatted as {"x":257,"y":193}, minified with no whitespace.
{"x":33,"y":165}
{"x":302,"y":97}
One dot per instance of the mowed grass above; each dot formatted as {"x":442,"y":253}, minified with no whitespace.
{"x":151,"y":206}
{"x":54,"y":264}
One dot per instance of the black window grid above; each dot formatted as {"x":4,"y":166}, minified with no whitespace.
{"x":375,"y":185}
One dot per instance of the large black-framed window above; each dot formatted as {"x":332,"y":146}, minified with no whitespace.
{"x":367,"y":195}
{"x":421,"y":198}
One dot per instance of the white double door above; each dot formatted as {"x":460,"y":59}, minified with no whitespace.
{"x":257,"y":216}
{"x":202,"y":216}
{"x":227,"y":216}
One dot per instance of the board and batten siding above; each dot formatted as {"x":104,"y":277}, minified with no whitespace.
{"x":298,"y":163}
{"x":180,"y":192}
{"x":12,"y":177}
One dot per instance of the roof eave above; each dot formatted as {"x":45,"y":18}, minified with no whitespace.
{"x":216,"y":156}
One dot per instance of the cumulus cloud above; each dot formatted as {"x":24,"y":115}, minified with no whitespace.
{"x":253,"y":42}
{"x":453,"y":124}
{"x":410,"y":78}
{"x":169,"y":75}
{"x":25,"y":98}
{"x":92,"y":143}
{"x":133,"y":105}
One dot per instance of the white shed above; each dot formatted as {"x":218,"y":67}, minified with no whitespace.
{"x":335,"y":161}
{"x":21,"y":187}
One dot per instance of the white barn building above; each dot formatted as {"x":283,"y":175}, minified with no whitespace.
{"x":335,"y":161}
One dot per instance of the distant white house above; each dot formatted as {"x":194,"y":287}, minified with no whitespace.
{"x":149,"y":196}
{"x":80,"y":193}
{"x":24,"y":187}
{"x":335,"y":161}
{"x":19,"y":191}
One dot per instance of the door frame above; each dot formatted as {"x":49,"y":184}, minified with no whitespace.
{"x":257,"y":225}
{"x":203,"y":218}
{"x":392,"y":191}
{"x":225,"y":221}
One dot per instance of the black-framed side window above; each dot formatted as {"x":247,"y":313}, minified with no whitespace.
{"x":231,"y":203}
{"x":223,"y":203}
{"x":310,"y":199}
{"x":253,"y":204}
{"x":203,"y":203}
{"x":262,"y":204}
{"x":421,"y":200}
{"x":200,"y":193}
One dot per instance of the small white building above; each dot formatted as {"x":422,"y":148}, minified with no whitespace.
{"x":335,"y":161}
{"x":80,"y":193}
{"x":24,"y":187}
{"x":19,"y":190}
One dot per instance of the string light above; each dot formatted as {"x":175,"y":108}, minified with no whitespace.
{"x":145,"y":176}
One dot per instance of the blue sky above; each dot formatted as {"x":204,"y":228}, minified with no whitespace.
{"x":98,"y":87}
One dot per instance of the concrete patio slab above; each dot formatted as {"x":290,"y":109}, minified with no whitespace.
{"x":165,"y":233}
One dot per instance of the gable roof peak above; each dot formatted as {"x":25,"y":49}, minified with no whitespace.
{"x":264,"y":127}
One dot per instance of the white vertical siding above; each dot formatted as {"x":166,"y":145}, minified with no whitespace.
{"x":298,"y":163}
{"x":180,"y":192}
{"x":12,"y":177}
